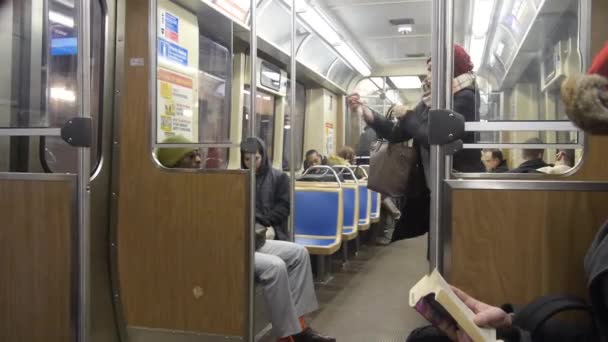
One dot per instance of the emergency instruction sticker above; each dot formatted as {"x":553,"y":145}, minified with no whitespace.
{"x":169,"y":26}
{"x":172,"y":52}
{"x":175,"y":104}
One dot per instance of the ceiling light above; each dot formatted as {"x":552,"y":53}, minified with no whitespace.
{"x":482,"y":14}
{"x":406,"y":82}
{"x":321,"y":25}
{"x":62,"y":94}
{"x":66,"y":3}
{"x":61,"y":19}
{"x":404,"y":29}
{"x":353,"y":59}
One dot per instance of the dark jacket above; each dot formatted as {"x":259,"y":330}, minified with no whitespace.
{"x":272,"y":195}
{"x":596,"y":269}
{"x":416,"y":208}
{"x":415,"y":126}
{"x":501,"y":168}
{"x":530,"y":166}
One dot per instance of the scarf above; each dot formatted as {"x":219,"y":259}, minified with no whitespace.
{"x":459,"y":83}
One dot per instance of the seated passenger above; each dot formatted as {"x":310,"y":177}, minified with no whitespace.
{"x":493,"y":161}
{"x":312,"y":158}
{"x":564,"y":161}
{"x":533,"y":158}
{"x":348,"y":154}
{"x":282,"y":268}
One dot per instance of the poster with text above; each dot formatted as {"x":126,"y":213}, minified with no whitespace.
{"x":175,"y":105}
{"x":329,"y":139}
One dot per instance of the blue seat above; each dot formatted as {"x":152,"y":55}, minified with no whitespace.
{"x":364,"y":206}
{"x":375,"y":210}
{"x":350,"y":193}
{"x":318,"y":217}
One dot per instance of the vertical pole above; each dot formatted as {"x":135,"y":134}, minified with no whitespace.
{"x":441,"y":93}
{"x":253,"y":44}
{"x":84,"y":166}
{"x":292,"y":104}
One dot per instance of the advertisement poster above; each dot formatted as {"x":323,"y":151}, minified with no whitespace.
{"x":329,"y":139}
{"x":175,"y":105}
{"x":169,"y":26}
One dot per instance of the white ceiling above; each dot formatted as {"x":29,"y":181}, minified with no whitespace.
{"x":367,"y":23}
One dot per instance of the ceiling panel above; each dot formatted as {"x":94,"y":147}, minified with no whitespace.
{"x":368,"y":22}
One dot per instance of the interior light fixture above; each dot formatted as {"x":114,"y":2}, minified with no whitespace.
{"x":353,"y":59}
{"x":482,"y":14}
{"x":318,"y":21}
{"x":67,"y":3}
{"x":406,"y":82}
{"x":59,"y":18}
{"x":63,"y":94}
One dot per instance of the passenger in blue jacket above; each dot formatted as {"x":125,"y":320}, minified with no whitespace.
{"x":282,"y":268}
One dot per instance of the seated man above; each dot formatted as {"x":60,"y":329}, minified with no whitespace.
{"x":533,"y":158}
{"x":564,"y":161}
{"x":282,"y":268}
{"x":494,"y":161}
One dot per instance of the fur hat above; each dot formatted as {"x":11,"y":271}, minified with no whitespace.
{"x":170,"y":156}
{"x":586,"y":96}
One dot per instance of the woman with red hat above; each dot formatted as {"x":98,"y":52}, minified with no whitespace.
{"x":414,"y":125}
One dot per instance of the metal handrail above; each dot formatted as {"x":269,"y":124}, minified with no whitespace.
{"x":327,"y":170}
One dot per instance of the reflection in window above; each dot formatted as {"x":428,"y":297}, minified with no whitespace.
{"x":62,"y":99}
{"x":521,"y":61}
{"x":294,"y":126}
{"x":214,"y":102}
{"x":264,"y":118}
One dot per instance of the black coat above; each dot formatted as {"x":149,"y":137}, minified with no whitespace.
{"x":416,"y":208}
{"x":501,"y":168}
{"x":272,"y":196}
{"x":530,"y":166}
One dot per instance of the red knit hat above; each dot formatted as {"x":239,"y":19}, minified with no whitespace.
{"x":462,"y":61}
{"x":600,"y":63}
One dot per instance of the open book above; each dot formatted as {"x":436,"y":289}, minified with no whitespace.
{"x":434,"y":299}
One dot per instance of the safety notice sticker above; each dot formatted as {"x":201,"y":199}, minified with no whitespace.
{"x":169,"y":27}
{"x":172,"y":52}
{"x":175,"y":105}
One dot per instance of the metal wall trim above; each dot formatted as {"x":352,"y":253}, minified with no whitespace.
{"x":18,"y":176}
{"x":250,"y":283}
{"x":141,"y":334}
{"x":29,"y":132}
{"x":526,"y":185}
{"x":84,"y":173}
{"x":519,"y":126}
{"x":115,"y":172}
{"x":198,"y":145}
{"x":521,"y":146}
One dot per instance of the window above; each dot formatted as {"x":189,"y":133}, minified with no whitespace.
{"x":294,"y":126}
{"x":193,"y":86}
{"x":520,"y":111}
{"x":55,"y":154}
{"x":214,"y":102}
{"x":264,"y":118}
{"x":38,"y":82}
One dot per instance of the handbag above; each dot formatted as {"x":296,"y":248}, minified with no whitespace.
{"x":390,"y":166}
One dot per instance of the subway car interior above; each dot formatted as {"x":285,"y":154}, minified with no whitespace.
{"x":129,"y":131}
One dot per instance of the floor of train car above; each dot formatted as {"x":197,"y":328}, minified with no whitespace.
{"x":368,"y":301}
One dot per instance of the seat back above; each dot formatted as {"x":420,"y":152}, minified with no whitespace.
{"x":318,"y":211}
{"x":350,"y":192}
{"x":364,"y":206}
{"x":375,"y":205}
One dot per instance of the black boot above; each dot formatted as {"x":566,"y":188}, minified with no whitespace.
{"x":309,"y":335}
